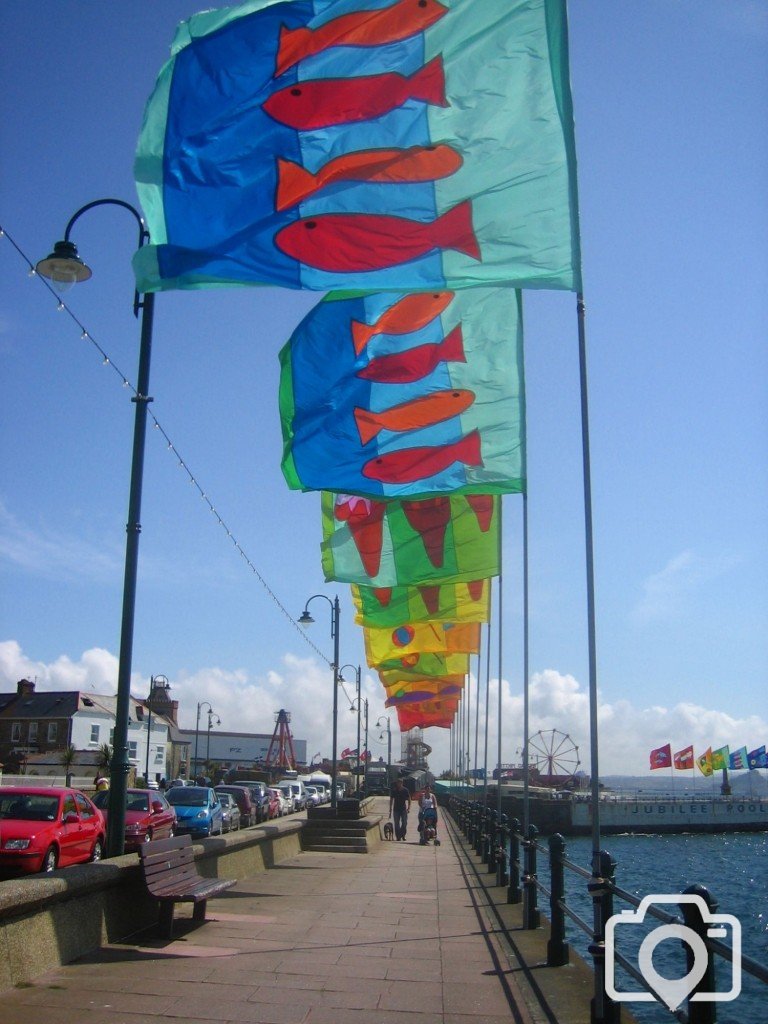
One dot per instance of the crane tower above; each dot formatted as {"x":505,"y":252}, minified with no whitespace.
{"x":280,"y":753}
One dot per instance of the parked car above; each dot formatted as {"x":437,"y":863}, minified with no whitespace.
{"x":261,"y":799}
{"x":285,"y":801}
{"x":244,"y":800}
{"x":198,"y":811}
{"x":44,"y":828}
{"x":178,"y":782}
{"x":296,"y":790}
{"x":313,"y":796}
{"x":148,"y":816}
{"x":275,"y":805}
{"x":230,"y":811}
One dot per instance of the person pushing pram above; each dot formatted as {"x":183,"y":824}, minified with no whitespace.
{"x":428,"y":818}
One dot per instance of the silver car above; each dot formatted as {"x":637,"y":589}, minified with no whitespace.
{"x":231,"y":821}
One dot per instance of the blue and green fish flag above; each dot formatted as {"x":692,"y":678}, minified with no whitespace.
{"x":371,"y":144}
{"x":396,"y":395}
{"x":410,"y":543}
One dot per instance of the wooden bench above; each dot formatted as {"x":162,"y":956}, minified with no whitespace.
{"x":171,"y":877}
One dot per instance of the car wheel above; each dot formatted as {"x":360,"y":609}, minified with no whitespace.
{"x":149,"y":836}
{"x":50,"y":860}
{"x":98,"y":851}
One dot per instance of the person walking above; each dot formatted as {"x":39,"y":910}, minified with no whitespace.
{"x":399,"y":805}
{"x":427,"y":813}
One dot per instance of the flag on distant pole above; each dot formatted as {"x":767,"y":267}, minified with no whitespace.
{"x":758,"y":758}
{"x":683,"y":759}
{"x":661,"y":757}
{"x":739,"y":759}
{"x":720,"y":758}
{"x":331,"y":144}
{"x":704,"y":762}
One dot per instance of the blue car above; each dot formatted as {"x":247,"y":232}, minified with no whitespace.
{"x":198,"y":810}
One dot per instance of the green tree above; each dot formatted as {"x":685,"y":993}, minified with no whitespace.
{"x":68,"y":756}
{"x":105,"y":757}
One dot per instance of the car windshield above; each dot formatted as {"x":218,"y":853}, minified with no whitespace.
{"x":137,"y":802}
{"x":188,"y":796}
{"x":28,"y":807}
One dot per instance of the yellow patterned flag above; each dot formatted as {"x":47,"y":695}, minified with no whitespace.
{"x":704,"y":761}
{"x":421,"y":637}
{"x":397,"y":606}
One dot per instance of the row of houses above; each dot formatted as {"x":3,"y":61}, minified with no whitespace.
{"x":37,"y":726}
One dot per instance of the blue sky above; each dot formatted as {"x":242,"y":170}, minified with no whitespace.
{"x":671,"y":103}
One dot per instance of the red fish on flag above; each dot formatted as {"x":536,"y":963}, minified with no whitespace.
{"x":393,"y":24}
{"x":352,"y":242}
{"x":406,"y":465}
{"x":391,"y":166}
{"x":683,"y":759}
{"x":406,"y":316}
{"x":662,"y":757}
{"x":415,"y":363}
{"x":325,"y":102}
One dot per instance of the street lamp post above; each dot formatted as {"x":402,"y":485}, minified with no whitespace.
{"x":211,"y":716}
{"x":389,"y":745}
{"x":305,"y":619}
{"x":357,"y":688}
{"x":64,"y":268}
{"x":200,"y":706}
{"x":362,"y":703}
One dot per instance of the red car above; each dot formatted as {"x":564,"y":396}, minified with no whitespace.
{"x":148,"y":816}
{"x":275,"y":804}
{"x":44,"y":828}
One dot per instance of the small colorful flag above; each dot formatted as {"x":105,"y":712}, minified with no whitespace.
{"x":704,"y":761}
{"x":396,"y":606}
{"x":683,"y":759}
{"x":662,"y":757}
{"x":758,"y":758}
{"x":422,"y":637}
{"x":348,"y":752}
{"x":720,"y":758}
{"x":419,"y":666}
{"x":739,"y":759}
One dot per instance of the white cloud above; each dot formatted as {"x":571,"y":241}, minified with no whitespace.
{"x":303,"y":686}
{"x":667,"y":593}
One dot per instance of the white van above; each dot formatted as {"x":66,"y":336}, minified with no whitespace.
{"x":296,"y":790}
{"x":322,"y":782}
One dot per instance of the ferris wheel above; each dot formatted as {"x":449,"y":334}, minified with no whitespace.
{"x":553,"y":752}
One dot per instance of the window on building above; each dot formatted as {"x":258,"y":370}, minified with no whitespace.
{"x":133,"y":749}
{"x":53,"y":731}
{"x":94,"y":734}
{"x":33,"y":732}
{"x":16,"y":732}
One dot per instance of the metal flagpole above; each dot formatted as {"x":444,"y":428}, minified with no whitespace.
{"x":477,"y":701}
{"x":501,"y":645}
{"x":526,"y":706}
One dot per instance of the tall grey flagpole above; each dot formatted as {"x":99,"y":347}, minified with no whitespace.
{"x":501,"y":650}
{"x":592,"y":646}
{"x":526,"y":705}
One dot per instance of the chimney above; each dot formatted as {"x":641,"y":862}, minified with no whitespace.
{"x":174,"y":712}
{"x":25,"y":688}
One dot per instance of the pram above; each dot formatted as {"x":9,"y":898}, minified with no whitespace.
{"x":428,"y":826}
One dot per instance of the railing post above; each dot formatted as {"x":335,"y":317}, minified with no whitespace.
{"x":603,"y":1010}
{"x":704,"y":1012}
{"x":473,"y":812}
{"x":489,"y":854}
{"x":514,"y":892}
{"x":482,"y":811}
{"x":502,"y":839}
{"x":531,"y":917}
{"x":558,"y":952}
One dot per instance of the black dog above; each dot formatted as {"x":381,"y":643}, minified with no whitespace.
{"x":389,"y":832}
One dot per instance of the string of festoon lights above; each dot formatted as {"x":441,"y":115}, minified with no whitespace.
{"x":86,"y":335}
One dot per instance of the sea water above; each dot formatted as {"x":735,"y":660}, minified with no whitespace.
{"x":733,"y":867}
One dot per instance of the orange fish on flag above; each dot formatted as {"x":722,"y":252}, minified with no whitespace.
{"x":400,"y":21}
{"x":414,"y":415}
{"x":390,"y":166}
{"x":409,"y":314}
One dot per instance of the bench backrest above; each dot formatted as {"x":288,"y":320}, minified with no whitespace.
{"x":168,"y":861}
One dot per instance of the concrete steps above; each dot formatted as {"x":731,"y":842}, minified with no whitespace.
{"x":329,"y":835}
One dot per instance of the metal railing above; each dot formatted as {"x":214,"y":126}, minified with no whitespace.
{"x":513,"y":855}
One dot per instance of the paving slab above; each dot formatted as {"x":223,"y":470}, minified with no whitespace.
{"x":404,"y":933}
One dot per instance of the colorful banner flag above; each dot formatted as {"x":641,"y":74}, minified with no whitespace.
{"x":348,"y":752}
{"x":683,"y":759}
{"x":422,"y":637}
{"x":420,"y":666}
{"x":316,"y":144}
{"x":720,"y":758}
{"x":407,"y":543}
{"x":425,"y":689}
{"x":421,"y":394}
{"x":704,"y":762}
{"x":661,"y":757}
{"x":449,"y":602}
{"x":757,"y":758}
{"x":738,"y":760}
{"x":417,"y":718}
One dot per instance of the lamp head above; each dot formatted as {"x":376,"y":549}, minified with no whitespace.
{"x":305,"y":619}
{"x":63,"y":267}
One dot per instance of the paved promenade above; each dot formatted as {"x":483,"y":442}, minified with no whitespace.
{"x":402,"y":935}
